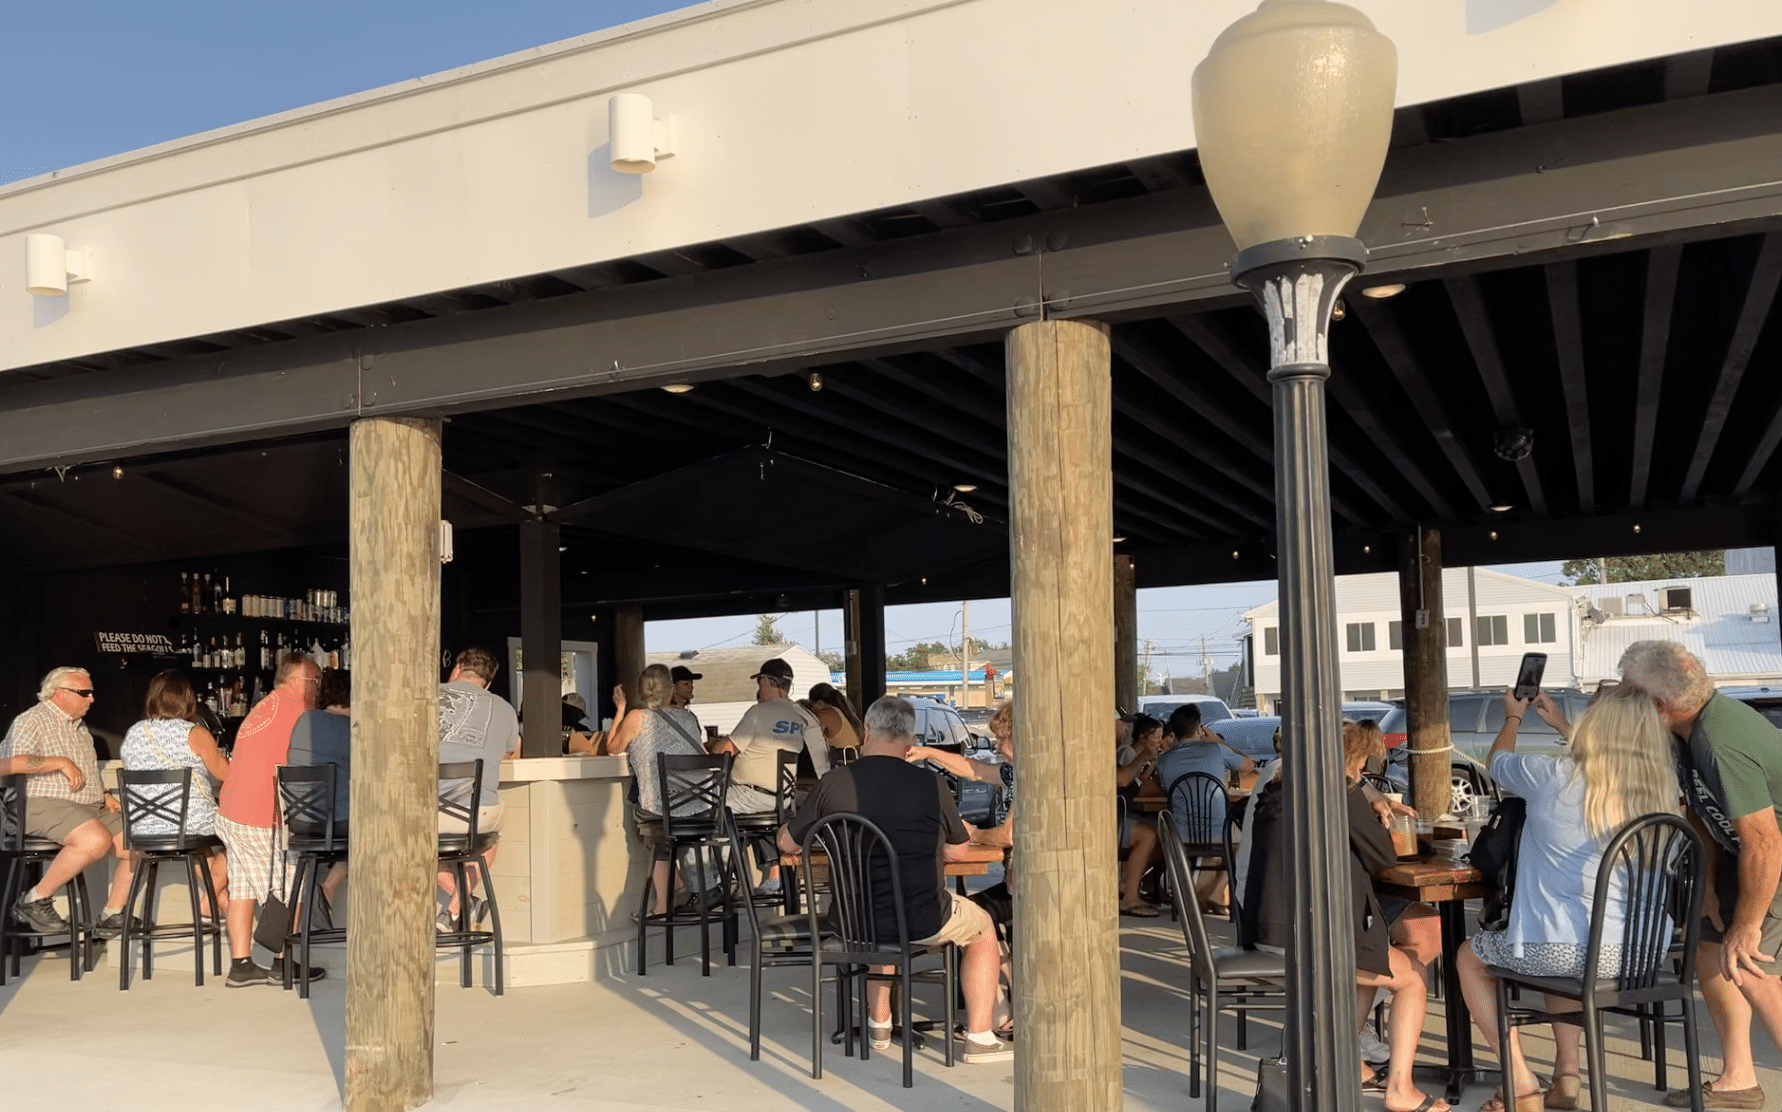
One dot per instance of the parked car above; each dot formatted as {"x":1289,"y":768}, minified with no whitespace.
{"x":1767,"y":700}
{"x":939,"y":725}
{"x":1160,"y":706}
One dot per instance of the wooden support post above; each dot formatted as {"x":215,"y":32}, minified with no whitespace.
{"x":1126,"y":677}
{"x":541,"y":638}
{"x":1067,"y":968}
{"x":628,"y":649}
{"x":863,"y":631}
{"x":1426,"y":669}
{"x":394,"y":561}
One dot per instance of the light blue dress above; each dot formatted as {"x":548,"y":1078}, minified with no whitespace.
{"x":160,"y":743}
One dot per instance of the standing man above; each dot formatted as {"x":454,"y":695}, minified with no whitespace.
{"x":916,"y":811}
{"x":683,"y":678}
{"x":52,"y":747}
{"x":775,"y":724}
{"x":247,"y":814}
{"x":1729,"y":759}
{"x":474,"y":724}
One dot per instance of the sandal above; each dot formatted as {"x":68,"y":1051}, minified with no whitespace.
{"x":1140,"y":911}
{"x":1374,"y":1082}
{"x":1564,"y":1093}
{"x":1428,"y":1105}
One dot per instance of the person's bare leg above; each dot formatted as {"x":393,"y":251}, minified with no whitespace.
{"x":120,"y":876}
{"x":1404,"y":1027}
{"x":448,"y":883}
{"x":659,"y":884}
{"x":1480,"y":989}
{"x":1138,"y":860}
{"x":337,"y":874}
{"x":878,"y":999}
{"x":1567,"y":1039}
{"x":1419,"y":935}
{"x":85,"y":844}
{"x":980,"y":968}
{"x":1730,"y":1010}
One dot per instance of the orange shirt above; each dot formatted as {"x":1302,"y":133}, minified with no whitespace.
{"x":249,"y":794}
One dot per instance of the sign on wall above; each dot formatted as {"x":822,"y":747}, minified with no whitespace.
{"x":135,"y":643}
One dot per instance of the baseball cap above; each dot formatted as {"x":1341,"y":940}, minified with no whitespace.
{"x":775,"y":669}
{"x":679,"y":673}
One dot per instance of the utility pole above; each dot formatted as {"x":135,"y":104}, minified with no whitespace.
{"x":965,"y":653}
{"x":1206,"y":665}
{"x":816,"y":633}
{"x":1147,"y":678}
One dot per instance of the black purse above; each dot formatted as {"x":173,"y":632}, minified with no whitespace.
{"x":1272,"y":1090}
{"x":275,"y":912}
{"x":1494,"y":855}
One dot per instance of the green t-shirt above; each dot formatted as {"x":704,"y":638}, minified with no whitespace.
{"x":1731,"y":766}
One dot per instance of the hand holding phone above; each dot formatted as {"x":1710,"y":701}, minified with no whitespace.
{"x":1528,"y":676}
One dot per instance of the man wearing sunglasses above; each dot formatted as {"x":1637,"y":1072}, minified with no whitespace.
{"x":64,"y":800}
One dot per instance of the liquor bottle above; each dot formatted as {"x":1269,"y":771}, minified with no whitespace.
{"x":228,"y":598}
{"x":265,"y":652}
{"x":216,"y":594}
{"x":197,"y":598}
{"x":240,"y":652}
{"x":185,"y":593}
{"x":196,"y":648}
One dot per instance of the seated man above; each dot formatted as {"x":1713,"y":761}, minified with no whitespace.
{"x":322,"y":737}
{"x":474,"y":724}
{"x":916,"y":812}
{"x":775,"y":724}
{"x":52,"y":747}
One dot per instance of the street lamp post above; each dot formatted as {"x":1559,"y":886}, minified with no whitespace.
{"x":1292,"y":115}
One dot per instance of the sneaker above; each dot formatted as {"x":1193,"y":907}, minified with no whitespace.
{"x":277,"y":972}
{"x":974,"y":1053}
{"x":446,"y":923}
{"x":242,"y":975}
{"x":479,"y":910}
{"x":112,"y":926}
{"x":1373,"y":1051}
{"x":39,"y":916}
{"x":769,"y":887}
{"x":879,"y":1037}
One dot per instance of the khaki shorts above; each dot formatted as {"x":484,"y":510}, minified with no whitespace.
{"x":56,"y":819}
{"x":965,"y":921}
{"x":488,"y":821}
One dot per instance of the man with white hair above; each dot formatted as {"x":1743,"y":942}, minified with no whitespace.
{"x":915,"y":810}
{"x":65,"y":802}
{"x":1730,"y":764}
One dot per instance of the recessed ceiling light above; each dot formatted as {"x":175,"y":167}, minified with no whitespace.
{"x":1502,"y":508}
{"x":117,"y":472}
{"x":1119,"y":540}
{"x":678,"y":387}
{"x":965,"y":488}
{"x":816,"y":381}
{"x":1380,"y":293}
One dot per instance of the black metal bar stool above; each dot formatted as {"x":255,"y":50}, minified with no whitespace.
{"x":163,"y":797}
{"x":693,"y":790}
{"x":306,"y":795}
{"x":460,"y":787}
{"x":22,"y":860}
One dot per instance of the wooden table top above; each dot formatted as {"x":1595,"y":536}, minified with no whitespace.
{"x":1432,"y":881}
{"x":1153,"y":803}
{"x":977,"y":862}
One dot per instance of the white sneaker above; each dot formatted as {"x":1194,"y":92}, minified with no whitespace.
{"x":879,"y":1037}
{"x":769,"y":887}
{"x":1375,"y":1052}
{"x":975,"y":1053}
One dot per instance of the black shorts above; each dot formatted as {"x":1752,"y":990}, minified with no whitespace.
{"x":1726,"y":890}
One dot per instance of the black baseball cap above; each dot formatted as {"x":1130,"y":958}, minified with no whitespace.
{"x":679,"y":673}
{"x":775,"y":669}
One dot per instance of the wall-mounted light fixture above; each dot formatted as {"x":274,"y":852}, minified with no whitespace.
{"x":445,"y":541}
{"x":637,"y":136}
{"x":50,"y":264}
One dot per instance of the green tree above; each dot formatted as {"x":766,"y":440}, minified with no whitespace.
{"x":835,"y":661}
{"x":767,"y":630}
{"x":1630,"y":569}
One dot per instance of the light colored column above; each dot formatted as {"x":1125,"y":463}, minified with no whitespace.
{"x":394,"y":530}
{"x":1425,"y":627}
{"x":1126,"y":681}
{"x":1067,"y":965}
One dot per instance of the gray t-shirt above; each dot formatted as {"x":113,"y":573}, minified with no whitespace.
{"x":474,"y":723}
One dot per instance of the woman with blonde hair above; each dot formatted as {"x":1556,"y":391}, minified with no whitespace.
{"x":1618,"y":767}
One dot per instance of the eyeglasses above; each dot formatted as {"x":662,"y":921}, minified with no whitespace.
{"x":83,"y":692}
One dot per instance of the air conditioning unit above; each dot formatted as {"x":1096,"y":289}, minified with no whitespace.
{"x":1610,"y":606}
{"x":1678,"y":598}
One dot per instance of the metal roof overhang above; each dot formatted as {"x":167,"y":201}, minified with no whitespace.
{"x":1606,"y":279}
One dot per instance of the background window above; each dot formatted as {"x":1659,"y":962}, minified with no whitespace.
{"x":1395,"y":635}
{"x":1494,"y":629}
{"x":1456,"y":633}
{"x":1271,"y":641}
{"x":1538,"y":629}
{"x":1361,"y":637}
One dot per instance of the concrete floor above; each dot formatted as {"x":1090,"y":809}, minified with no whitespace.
{"x":669,"y":1041}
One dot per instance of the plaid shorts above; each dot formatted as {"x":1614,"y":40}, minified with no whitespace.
{"x":253,"y":852}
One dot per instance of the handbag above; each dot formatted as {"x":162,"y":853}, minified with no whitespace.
{"x":275,"y":911}
{"x":1272,"y":1090}
{"x":1494,"y":855}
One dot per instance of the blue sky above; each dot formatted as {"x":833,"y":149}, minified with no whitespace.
{"x":84,"y":81}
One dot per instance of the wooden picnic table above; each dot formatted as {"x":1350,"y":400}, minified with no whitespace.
{"x":1447,"y":885}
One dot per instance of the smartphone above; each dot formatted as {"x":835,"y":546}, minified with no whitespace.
{"x":1528,"y":676}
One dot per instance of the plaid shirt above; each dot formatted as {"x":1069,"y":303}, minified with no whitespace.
{"x":46,"y":731}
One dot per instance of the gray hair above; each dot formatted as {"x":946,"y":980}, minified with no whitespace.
{"x":1669,"y":672}
{"x":891,"y":718}
{"x":47,"y":689}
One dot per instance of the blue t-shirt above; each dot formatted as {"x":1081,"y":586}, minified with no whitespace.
{"x":322,"y":737}
{"x":1183,"y":758}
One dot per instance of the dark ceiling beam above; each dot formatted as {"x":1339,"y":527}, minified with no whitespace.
{"x":1760,"y":297}
{"x":1683,"y":169}
{"x":457,"y":486}
{"x":46,"y":505}
{"x":1687,"y":75}
{"x":1541,"y":102}
{"x":277,"y":533}
{"x":1250,"y":512}
{"x":1396,"y":351}
{"x":1048,"y":193}
{"x":1568,"y":342}
{"x":1217,"y":346}
{"x":1157,"y":174}
{"x":846,"y":230}
{"x":1475,"y":325}
{"x":1760,"y":457}
{"x":944,"y":212}
{"x":993,"y":414}
{"x":672,"y":264}
{"x":1655,"y":333}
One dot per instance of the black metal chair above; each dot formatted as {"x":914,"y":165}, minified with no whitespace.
{"x":1378,"y":782}
{"x":1199,"y":805}
{"x":306,"y":793}
{"x":861,"y":861}
{"x":164,"y":797}
{"x":1657,"y":861}
{"x":24,"y":858}
{"x":695,"y":820}
{"x":1226,"y":979}
{"x":460,"y":788}
{"x":759,"y":829}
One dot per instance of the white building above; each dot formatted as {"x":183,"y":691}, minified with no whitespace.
{"x":1508,"y":617}
{"x":1729,"y":621}
{"x":725,"y":690}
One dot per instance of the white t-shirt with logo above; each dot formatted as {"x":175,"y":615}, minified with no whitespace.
{"x":766,"y":730}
